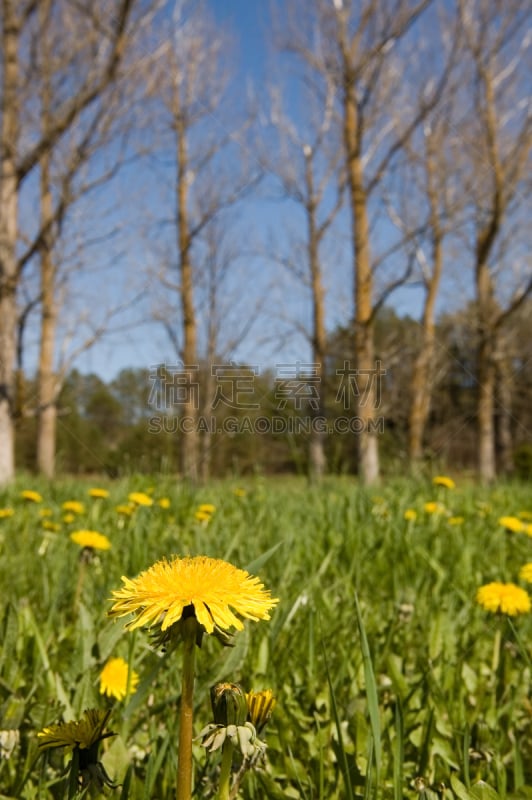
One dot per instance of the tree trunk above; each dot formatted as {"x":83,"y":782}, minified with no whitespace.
{"x":366,"y":396}
{"x":189,"y":436}
{"x":503,"y":433}
{"x":46,"y":412}
{"x":316,"y":453}
{"x":46,"y":380}
{"x":486,"y":407}
{"x":8,"y":237}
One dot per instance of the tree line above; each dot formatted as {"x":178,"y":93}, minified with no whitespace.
{"x":397,"y":133}
{"x":264,"y":421}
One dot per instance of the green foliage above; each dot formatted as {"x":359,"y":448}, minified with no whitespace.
{"x":523,"y":462}
{"x":380,"y":659}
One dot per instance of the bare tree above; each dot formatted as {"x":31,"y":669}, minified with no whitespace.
{"x":306,"y":163}
{"x":497,"y":135}
{"x":364,"y":47}
{"x":102,"y":36}
{"x":191,"y":81}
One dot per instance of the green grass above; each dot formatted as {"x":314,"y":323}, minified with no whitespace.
{"x":379,"y":657}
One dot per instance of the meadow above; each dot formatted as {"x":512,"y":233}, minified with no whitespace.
{"x":391,"y":680}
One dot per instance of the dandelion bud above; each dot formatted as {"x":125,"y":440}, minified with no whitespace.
{"x":229,"y":705}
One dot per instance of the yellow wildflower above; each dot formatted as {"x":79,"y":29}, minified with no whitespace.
{"x":126,"y":510}
{"x":512,"y":524}
{"x":82,"y":734}
{"x":455,"y":520}
{"x":202,"y":516}
{"x":410,"y":514}
{"x":114,"y":679}
{"x":45,"y":512}
{"x":208,"y":587}
{"x":92,"y":539}
{"x":140,"y":499}
{"x":504,"y":597}
{"x":33,"y":497}
{"x":443,"y":480}
{"x":68,"y":518}
{"x":74,"y":506}
{"x":164,"y":502}
{"x":260,"y":708}
{"x":6,"y":512}
{"x":207,"y":508}
{"x":433,"y":507}
{"x":98,"y":493}
{"x":48,"y":525}
{"x":525,"y":573}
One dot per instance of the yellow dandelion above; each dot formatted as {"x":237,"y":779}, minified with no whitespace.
{"x":164,"y":502}
{"x":92,"y":539}
{"x":455,"y":520}
{"x":202,"y":516}
{"x":208,"y":587}
{"x":504,"y":597}
{"x":433,"y":507}
{"x":74,"y":506}
{"x":512,"y":524}
{"x":525,"y":573}
{"x":528,"y":529}
{"x":125,"y":510}
{"x":443,"y":480}
{"x":114,"y":679}
{"x":410,"y":514}
{"x":6,"y":512}
{"x":82,"y":734}
{"x":98,"y":493}
{"x":207,"y":508}
{"x":140,"y":499}
{"x":68,"y":518}
{"x":48,"y":525}
{"x":260,"y":708}
{"x":33,"y":497}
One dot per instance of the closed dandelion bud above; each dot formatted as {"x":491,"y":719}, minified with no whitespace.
{"x":260,"y":708}
{"x":229,"y":705}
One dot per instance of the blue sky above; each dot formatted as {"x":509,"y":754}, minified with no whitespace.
{"x":261,"y":219}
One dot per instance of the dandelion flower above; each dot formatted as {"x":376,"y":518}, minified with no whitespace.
{"x":114,"y":679}
{"x":6,"y":512}
{"x":140,"y":499}
{"x":208,"y":587}
{"x":125,"y":510}
{"x":260,"y":708}
{"x":202,"y":516}
{"x":207,"y":508}
{"x":504,"y":597}
{"x":92,"y":539}
{"x":432,"y":507}
{"x":512,"y":524}
{"x":443,"y":480}
{"x":83,"y":733}
{"x":74,"y":506}
{"x":48,"y":525}
{"x":98,"y":494}
{"x":525,"y":573}
{"x":456,"y":520}
{"x":33,"y":497}
{"x":68,"y":518}
{"x":410,"y":514}
{"x":164,"y":502}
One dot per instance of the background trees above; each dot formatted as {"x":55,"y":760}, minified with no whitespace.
{"x":399,"y":134}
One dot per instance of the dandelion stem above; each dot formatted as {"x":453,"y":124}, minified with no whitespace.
{"x":225,"y":774}
{"x":184,"y":757}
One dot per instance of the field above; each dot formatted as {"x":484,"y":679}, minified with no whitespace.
{"x":391,"y":680}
